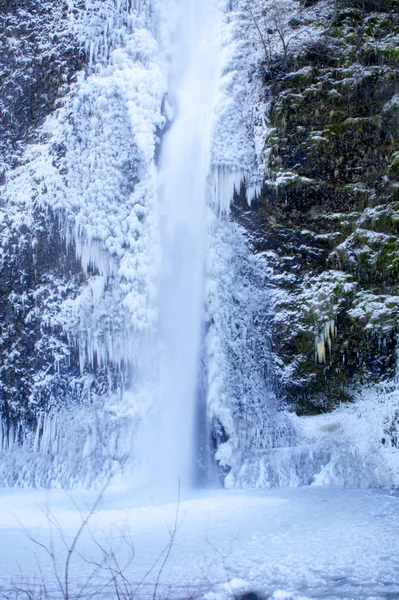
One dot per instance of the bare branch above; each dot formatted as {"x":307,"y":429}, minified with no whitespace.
{"x":171,"y":542}
{"x":79,"y":533}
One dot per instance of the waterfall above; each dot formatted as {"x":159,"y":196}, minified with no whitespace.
{"x":136,"y":396}
{"x":183,"y":192}
{"x":153,"y":331}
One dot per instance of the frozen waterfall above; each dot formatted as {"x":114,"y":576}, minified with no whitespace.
{"x":153,"y":333}
{"x":183,"y":192}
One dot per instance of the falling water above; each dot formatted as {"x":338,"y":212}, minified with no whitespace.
{"x":184,"y":169}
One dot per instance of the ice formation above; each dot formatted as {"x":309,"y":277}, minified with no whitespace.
{"x":227,"y":181}
{"x":174,"y":306}
{"x":138,"y":234}
{"x":324,"y":340}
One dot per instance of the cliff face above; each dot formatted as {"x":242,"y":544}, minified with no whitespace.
{"x":58,"y":304}
{"x":327,"y":221}
{"x":39,"y":58}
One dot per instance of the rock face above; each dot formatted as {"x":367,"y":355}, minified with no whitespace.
{"x":38,"y":61}
{"x":39,"y":58}
{"x":38,"y":365}
{"x":328,"y":217}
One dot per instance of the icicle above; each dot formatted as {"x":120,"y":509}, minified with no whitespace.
{"x":36,"y":442}
{"x":225,"y":182}
{"x":44,"y":442}
{"x":11,"y":435}
{"x":324,"y":340}
{"x":54,"y":435}
{"x":253,"y":192}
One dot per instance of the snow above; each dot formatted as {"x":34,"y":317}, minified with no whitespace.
{"x":240,"y":117}
{"x":353,"y":446}
{"x":293,"y":544}
{"x":376,"y":311}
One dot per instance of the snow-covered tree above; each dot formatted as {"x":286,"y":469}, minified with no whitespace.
{"x":274,"y":24}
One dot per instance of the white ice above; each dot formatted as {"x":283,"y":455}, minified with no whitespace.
{"x":297,"y":543}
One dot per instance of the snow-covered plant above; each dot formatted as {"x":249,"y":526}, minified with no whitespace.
{"x":108,"y":564}
{"x":274,"y":24}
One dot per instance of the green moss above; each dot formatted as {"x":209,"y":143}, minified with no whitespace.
{"x":390,"y":51}
{"x":387,"y":261}
{"x":395,"y":191}
{"x":348,"y":16}
{"x":300,"y":79}
{"x":336,"y":32}
{"x":394,"y":166}
{"x":334,"y":148}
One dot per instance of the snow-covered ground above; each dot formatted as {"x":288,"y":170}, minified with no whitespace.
{"x":292,"y":543}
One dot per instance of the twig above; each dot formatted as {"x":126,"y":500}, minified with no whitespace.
{"x":171,"y":541}
{"x":77,"y":536}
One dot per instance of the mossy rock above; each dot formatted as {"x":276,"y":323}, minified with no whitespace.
{"x":328,"y":215}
